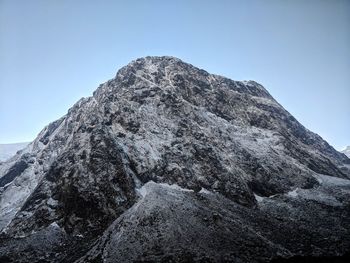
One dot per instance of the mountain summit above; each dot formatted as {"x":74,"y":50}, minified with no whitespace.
{"x":168,"y":163}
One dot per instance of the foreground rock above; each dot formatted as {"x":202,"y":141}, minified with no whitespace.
{"x":167,"y":162}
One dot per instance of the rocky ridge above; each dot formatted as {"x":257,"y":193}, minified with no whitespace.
{"x":168,"y":162}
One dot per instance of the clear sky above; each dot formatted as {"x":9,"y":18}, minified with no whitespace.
{"x":54,"y":52}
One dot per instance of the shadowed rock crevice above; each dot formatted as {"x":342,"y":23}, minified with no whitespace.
{"x":14,"y":171}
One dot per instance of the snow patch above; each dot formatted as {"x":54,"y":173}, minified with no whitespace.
{"x":258,"y":198}
{"x":331,"y":180}
{"x":293,"y":193}
{"x":176,"y":187}
{"x":52,"y":202}
{"x":205,"y":191}
{"x":147,"y":188}
{"x":142,"y":191}
{"x":54,"y":225}
{"x":321,"y":197}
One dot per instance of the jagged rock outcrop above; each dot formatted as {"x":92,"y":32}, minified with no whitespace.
{"x":168,"y":162}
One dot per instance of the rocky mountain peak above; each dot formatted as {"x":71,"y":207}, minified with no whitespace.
{"x":170,"y":71}
{"x":163,"y":129}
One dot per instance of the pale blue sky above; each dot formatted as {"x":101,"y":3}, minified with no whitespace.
{"x":54,"y":52}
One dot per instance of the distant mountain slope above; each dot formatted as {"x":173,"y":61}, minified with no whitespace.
{"x":10,"y":149}
{"x":346,"y":151}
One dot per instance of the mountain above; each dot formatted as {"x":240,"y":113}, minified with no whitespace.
{"x":9,"y":150}
{"x":168,"y":163}
{"x":346,"y":151}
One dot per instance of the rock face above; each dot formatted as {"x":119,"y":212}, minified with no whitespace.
{"x":168,"y":163}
